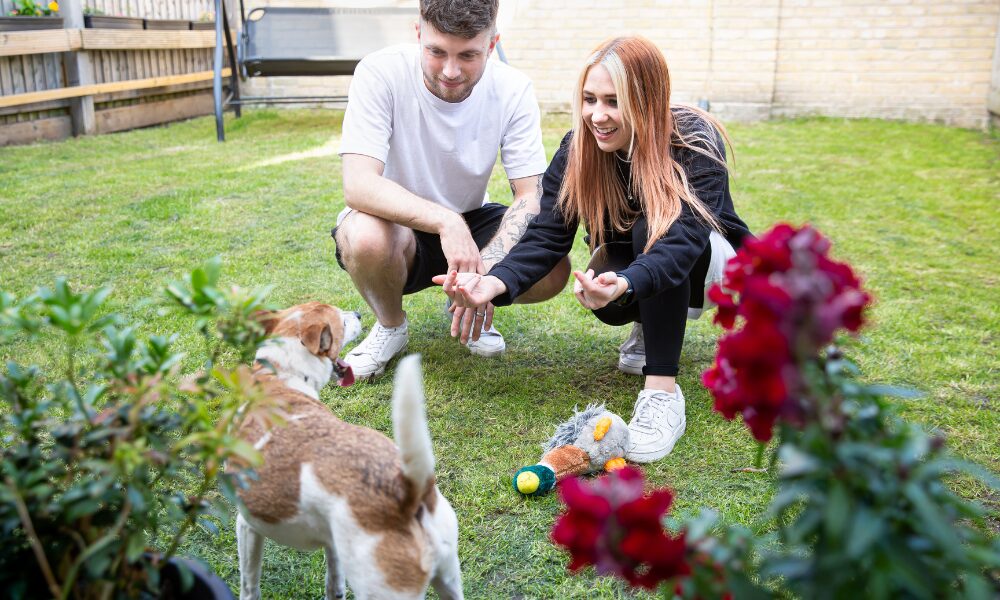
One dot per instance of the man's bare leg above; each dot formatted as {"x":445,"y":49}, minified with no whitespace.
{"x":378,"y":256}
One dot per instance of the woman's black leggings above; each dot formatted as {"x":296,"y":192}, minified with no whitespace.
{"x":663,"y":316}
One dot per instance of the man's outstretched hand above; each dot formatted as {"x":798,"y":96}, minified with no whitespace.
{"x":471,"y":306}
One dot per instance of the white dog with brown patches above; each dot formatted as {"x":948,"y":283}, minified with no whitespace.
{"x":372,"y":507}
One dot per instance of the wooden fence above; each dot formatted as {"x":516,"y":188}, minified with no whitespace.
{"x":111,"y":57}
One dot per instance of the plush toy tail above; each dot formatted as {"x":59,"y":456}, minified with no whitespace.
{"x":555,"y":464}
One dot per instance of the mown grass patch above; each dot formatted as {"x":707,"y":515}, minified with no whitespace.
{"x":913,"y":207}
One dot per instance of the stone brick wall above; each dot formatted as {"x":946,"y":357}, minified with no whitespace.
{"x":921,"y":60}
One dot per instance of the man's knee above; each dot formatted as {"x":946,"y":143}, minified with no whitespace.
{"x":364,"y":239}
{"x":549,"y":286}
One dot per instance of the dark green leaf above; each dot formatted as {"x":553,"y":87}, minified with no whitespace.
{"x":931,"y":523}
{"x":81,"y":509}
{"x":135,"y":546}
{"x":865,"y":529}
{"x":838,"y":507}
{"x":894,"y":392}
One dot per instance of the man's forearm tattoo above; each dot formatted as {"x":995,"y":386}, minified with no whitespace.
{"x":519,"y":226}
{"x":493,"y":253}
{"x":511,"y":229}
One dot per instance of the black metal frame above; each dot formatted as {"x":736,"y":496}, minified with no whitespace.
{"x":234,"y":98}
{"x":222,"y":26}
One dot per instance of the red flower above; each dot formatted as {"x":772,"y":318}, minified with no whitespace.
{"x":725,"y":315}
{"x":793,"y":299}
{"x":612,"y":524}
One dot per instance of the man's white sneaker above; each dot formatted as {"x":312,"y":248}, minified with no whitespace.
{"x":489,"y":344}
{"x":657,"y":423}
{"x":369,"y":358}
{"x":632,"y":353}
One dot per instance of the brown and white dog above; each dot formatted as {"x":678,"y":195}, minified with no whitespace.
{"x":373,"y":508}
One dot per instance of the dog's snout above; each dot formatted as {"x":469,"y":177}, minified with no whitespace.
{"x":352,"y":325}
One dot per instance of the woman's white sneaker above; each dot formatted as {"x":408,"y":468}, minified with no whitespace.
{"x":369,"y":358}
{"x":657,"y":423}
{"x":632,"y":353}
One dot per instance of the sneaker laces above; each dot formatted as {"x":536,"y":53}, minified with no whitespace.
{"x":649,"y":408}
{"x":374,"y":344}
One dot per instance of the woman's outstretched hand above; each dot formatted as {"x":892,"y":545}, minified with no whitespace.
{"x":596,"y":292}
{"x":470,"y":295}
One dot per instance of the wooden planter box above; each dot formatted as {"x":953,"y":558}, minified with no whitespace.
{"x":29,"y":23}
{"x":163,"y":24}
{"x":203,"y":25}
{"x":105,"y":22}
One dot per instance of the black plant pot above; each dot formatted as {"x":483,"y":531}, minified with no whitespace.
{"x":30,"y":23}
{"x":206,"y":586}
{"x":166,"y":24}
{"x":105,"y":22}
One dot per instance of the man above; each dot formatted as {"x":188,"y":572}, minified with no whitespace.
{"x":420,"y":138}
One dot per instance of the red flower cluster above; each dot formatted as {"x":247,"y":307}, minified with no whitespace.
{"x":793,"y":298}
{"x":613,"y":524}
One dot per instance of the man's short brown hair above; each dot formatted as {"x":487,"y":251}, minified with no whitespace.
{"x":464,"y":18}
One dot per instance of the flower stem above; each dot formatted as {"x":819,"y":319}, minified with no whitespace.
{"x":95,"y":547}
{"x":36,"y":545}
{"x":758,"y":459}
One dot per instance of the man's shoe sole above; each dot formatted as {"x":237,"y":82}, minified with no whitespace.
{"x":487,"y":353}
{"x":648,"y":457}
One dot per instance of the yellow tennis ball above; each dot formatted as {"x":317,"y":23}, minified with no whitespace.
{"x":527,"y":482}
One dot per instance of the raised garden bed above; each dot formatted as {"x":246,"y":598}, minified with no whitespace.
{"x":106,"y":22}
{"x":203,"y":25}
{"x":30,"y":23}
{"x":164,"y":24}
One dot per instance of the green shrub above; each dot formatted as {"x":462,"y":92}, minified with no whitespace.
{"x":110,"y":457}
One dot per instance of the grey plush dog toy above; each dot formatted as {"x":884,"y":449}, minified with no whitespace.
{"x":591,"y":440}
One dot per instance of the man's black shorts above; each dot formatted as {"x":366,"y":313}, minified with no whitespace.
{"x":429,"y":260}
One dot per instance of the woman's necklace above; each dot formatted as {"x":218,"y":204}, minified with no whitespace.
{"x":628,"y":180}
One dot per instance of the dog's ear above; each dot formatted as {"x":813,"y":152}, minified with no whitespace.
{"x":318,"y":339}
{"x":325,"y":340}
{"x":268,"y":319}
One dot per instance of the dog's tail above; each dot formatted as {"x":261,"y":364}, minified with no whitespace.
{"x":409,"y":426}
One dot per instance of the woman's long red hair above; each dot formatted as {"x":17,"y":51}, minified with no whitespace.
{"x":591,"y":190}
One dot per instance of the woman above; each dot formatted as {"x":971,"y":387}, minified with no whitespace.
{"x":651,"y":186}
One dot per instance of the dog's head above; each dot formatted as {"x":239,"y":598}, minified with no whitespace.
{"x":307,"y":339}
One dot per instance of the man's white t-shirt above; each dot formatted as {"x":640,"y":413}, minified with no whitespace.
{"x":442,"y":151}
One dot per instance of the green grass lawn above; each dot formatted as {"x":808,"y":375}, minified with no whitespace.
{"x":912,"y":207}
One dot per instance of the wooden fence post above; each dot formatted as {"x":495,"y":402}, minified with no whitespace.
{"x":79,"y":71}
